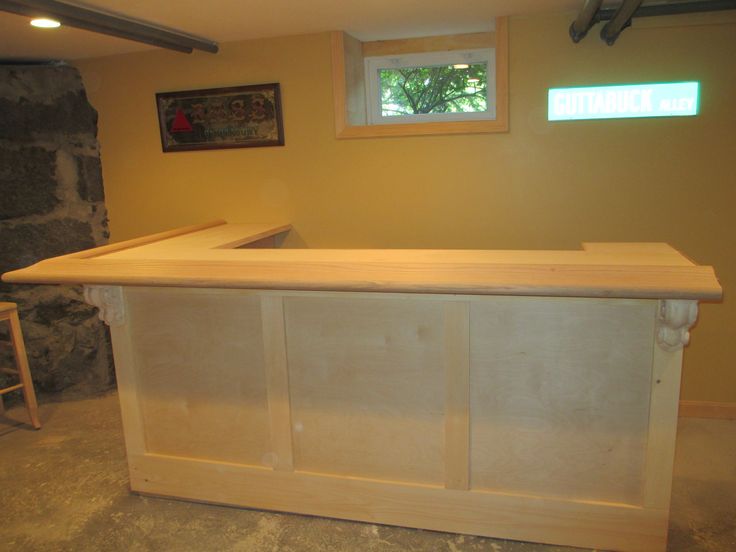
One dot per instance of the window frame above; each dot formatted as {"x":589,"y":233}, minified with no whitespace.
{"x":374,"y":64}
{"x":349,"y":88}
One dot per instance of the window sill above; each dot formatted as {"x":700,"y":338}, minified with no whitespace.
{"x":348,"y":101}
{"x":422,"y":129}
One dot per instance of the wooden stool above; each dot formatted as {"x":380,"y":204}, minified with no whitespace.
{"x":9,"y":313}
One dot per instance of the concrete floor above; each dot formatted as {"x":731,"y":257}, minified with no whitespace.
{"x":65,"y":489}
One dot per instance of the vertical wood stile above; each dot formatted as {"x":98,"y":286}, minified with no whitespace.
{"x":457,"y":395}
{"x":663,"y":407}
{"x":127,"y":382}
{"x":277,"y":381}
{"x":502,"y":72}
{"x":338,"y":80}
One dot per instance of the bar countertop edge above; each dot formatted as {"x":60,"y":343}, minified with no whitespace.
{"x":210,"y":255}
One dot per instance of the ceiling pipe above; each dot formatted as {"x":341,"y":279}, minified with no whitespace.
{"x":620,"y":20}
{"x":673,"y":8}
{"x":113,"y":25}
{"x":585,"y":20}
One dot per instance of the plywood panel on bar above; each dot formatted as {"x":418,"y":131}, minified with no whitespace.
{"x":200,"y":373}
{"x":367,"y":386}
{"x":559,"y":396}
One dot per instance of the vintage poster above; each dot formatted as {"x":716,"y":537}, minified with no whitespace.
{"x":236,"y":117}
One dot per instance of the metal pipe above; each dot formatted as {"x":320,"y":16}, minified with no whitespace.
{"x":620,"y":20}
{"x":585,"y":20}
{"x":675,"y":8}
{"x":105,"y":23}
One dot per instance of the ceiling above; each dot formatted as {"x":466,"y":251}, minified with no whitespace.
{"x":229,"y":20}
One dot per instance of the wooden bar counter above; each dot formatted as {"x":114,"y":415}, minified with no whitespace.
{"x":527,"y":395}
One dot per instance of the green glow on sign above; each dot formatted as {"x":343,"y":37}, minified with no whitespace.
{"x":674,"y":99}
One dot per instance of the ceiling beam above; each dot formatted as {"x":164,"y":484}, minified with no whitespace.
{"x":673,"y":8}
{"x":585,"y":20}
{"x":620,"y":17}
{"x":619,"y":21}
{"x":105,"y":23}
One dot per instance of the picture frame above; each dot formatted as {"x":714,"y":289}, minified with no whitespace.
{"x":217,"y":118}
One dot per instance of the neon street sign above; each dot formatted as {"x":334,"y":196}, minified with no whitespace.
{"x":674,"y":99}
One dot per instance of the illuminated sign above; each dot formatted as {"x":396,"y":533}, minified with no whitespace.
{"x":676,"y":99}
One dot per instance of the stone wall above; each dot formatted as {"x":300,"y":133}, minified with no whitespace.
{"x":52,"y":203}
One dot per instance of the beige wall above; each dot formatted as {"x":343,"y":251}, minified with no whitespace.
{"x":540,"y":186}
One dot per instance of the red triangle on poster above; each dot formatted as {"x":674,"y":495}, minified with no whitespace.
{"x":181,"y":123}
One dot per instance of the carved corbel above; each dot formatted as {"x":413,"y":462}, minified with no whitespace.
{"x":109,"y":299}
{"x":675,"y":318}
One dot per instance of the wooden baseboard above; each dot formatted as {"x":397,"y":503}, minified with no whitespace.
{"x":705,"y":409}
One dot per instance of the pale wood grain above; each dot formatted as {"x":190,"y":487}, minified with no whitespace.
{"x":605,"y":526}
{"x":654,"y":282}
{"x":654,"y":252}
{"x":502,"y":75}
{"x":268,"y":242}
{"x":339,"y":80}
{"x":663,"y":404}
{"x":355,"y":86}
{"x":127,"y":386}
{"x":425,"y":129}
{"x":514,"y":417}
{"x":198,"y":374}
{"x":219,"y":236}
{"x":277,"y":381}
{"x":210,"y":258}
{"x":560,"y":396}
{"x":457,"y":395}
{"x":144,"y":240}
{"x":194,"y":252}
{"x":467,"y":41}
{"x":366,"y":381}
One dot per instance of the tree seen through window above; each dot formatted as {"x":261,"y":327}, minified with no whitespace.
{"x":457,"y":88}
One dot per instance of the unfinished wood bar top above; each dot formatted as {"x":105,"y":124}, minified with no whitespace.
{"x":527,"y":395}
{"x":213,"y":255}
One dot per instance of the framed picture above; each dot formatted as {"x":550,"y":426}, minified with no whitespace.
{"x":215,"y":118}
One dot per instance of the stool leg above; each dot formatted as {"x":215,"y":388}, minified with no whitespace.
{"x":24,"y":372}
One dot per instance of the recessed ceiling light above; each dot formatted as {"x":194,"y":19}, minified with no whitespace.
{"x":45,"y":23}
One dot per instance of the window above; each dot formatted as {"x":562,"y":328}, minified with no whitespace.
{"x":433,"y":86}
{"x":447,"y":84}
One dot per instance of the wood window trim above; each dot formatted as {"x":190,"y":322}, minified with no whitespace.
{"x":346,"y":104}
